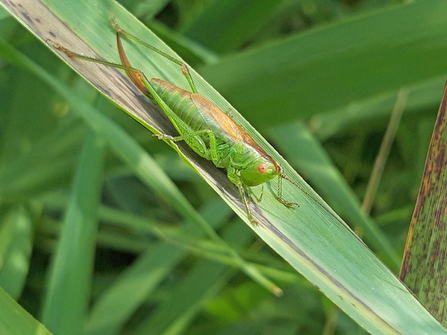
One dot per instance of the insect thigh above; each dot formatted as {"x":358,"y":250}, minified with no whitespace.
{"x":186,"y":118}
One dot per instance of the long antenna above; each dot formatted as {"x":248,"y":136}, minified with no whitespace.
{"x":312,"y":197}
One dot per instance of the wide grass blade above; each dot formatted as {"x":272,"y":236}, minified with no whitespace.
{"x":311,"y":158}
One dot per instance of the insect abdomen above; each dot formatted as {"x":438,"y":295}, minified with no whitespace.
{"x":179,"y":101}
{"x":187,"y":119}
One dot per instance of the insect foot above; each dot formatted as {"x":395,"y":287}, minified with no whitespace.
{"x":288,"y":204}
{"x":254,"y":222}
{"x":163,"y":136}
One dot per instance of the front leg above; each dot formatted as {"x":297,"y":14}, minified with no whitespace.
{"x":233,"y":176}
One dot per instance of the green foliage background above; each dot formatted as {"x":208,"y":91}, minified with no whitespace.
{"x":325,"y":70}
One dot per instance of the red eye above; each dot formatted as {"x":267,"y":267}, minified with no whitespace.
{"x":262,"y":168}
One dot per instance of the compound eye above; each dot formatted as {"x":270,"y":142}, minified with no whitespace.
{"x":262,"y":168}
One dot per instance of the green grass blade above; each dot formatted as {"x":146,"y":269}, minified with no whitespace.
{"x":14,"y":265}
{"x":14,"y":320}
{"x":422,"y":96}
{"x":218,"y":28}
{"x":188,"y":297}
{"x":115,"y":306}
{"x":356,"y":59}
{"x":121,"y":300}
{"x":68,"y":290}
{"x":310,"y":158}
{"x":37,"y":170}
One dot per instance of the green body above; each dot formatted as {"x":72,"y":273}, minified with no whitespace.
{"x":213,"y":135}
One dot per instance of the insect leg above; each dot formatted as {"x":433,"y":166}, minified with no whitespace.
{"x":235,"y":179}
{"x":183,"y":66}
{"x":181,"y":137}
{"x":279,"y":194}
{"x":135,"y":75}
{"x":259,"y":199}
{"x":246,"y":202}
{"x":197,"y":145}
{"x":213,"y":147}
{"x":73,"y":54}
{"x":211,"y":153}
